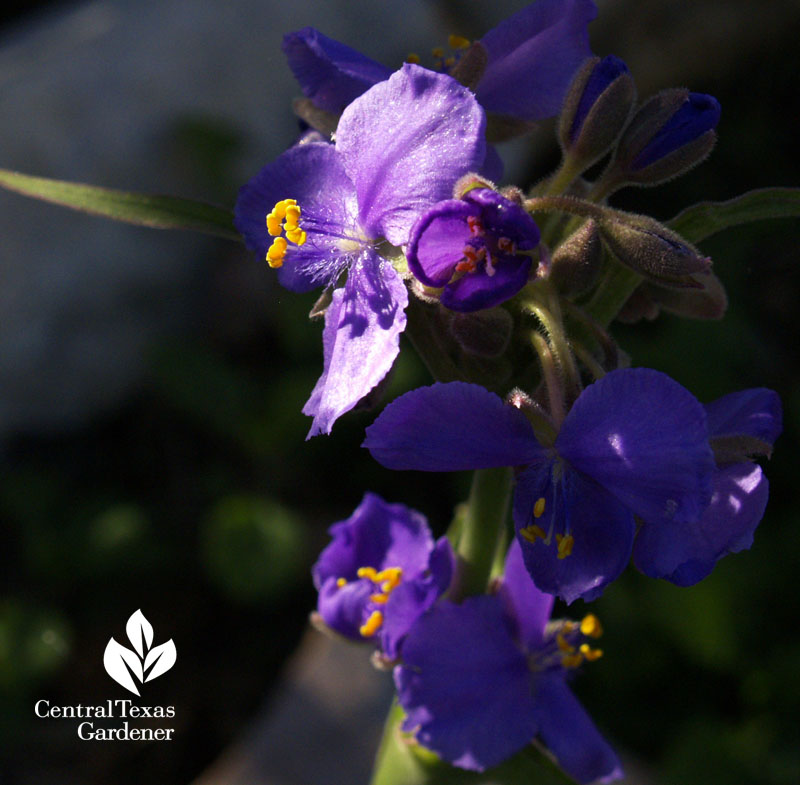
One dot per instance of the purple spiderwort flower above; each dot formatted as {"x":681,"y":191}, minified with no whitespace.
{"x":399,"y":148}
{"x":739,"y":497}
{"x":481,"y":679}
{"x":381,"y":571}
{"x":531,"y":57}
{"x":634,"y":443}
{"x":474,"y":248}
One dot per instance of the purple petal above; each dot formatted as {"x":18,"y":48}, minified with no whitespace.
{"x":379,"y":535}
{"x":331,"y":74}
{"x":533,"y":56}
{"x":437,"y":241}
{"x":465,"y":686}
{"x":313,"y":175}
{"x":755,"y":412}
{"x":530,"y":607}
{"x":360,"y":341}
{"x":344,"y":609}
{"x":570,"y":734}
{"x":685,"y":554}
{"x":503,"y":218}
{"x":644,"y":438}
{"x":405,"y":142}
{"x":451,"y":427}
{"x":476,"y":291}
{"x":602,"y":528}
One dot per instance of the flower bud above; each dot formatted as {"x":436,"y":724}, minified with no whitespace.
{"x":671,"y":133}
{"x":471,"y":65}
{"x":651,"y":249}
{"x":596,"y":109}
{"x":483,"y":333}
{"x":576,"y":262}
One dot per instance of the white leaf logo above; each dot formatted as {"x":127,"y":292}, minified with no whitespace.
{"x":145,"y":663}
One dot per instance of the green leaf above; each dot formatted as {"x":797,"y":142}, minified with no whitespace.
{"x":703,"y":219}
{"x":158,"y":212}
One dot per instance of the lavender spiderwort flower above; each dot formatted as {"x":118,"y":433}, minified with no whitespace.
{"x":481,"y":679}
{"x":531,"y":57}
{"x":399,"y":148}
{"x":634,"y":443}
{"x":381,"y":571}
{"x":474,"y":248}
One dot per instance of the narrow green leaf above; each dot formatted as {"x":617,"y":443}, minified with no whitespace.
{"x":703,"y":219}
{"x":158,"y":212}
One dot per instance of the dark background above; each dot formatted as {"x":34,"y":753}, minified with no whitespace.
{"x":196,"y":498}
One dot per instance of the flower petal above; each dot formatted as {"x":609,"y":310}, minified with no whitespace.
{"x":685,"y":554}
{"x":361,"y":339}
{"x":532,"y":57}
{"x":465,"y":686}
{"x":644,"y":438}
{"x":313,"y":175}
{"x":343,"y":608}
{"x":476,"y":291}
{"x":755,"y":412}
{"x":570,"y":734}
{"x":451,"y":427}
{"x":405,"y":142}
{"x":602,"y":528}
{"x":530,"y":607}
{"x":331,"y":74}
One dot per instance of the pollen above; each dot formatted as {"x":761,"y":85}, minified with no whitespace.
{"x":565,"y":544}
{"x":412,"y":57}
{"x":437,"y":51}
{"x":564,"y":645}
{"x":367,"y":572}
{"x":372,"y":624}
{"x":277,"y":252}
{"x":589,"y":653}
{"x":572,"y":660}
{"x":457,"y":41}
{"x":506,"y":246}
{"x":379,"y":599}
{"x":538,"y":508}
{"x":284,"y":217}
{"x":341,"y":582}
{"x":532,"y":532}
{"x":591,"y":627}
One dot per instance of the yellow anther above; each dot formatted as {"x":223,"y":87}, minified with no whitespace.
{"x":380,"y":599}
{"x":292,"y":213}
{"x":565,"y":543}
{"x":273,"y":224}
{"x":390,"y":575}
{"x":437,"y":51}
{"x":564,"y":644}
{"x":530,"y":533}
{"x":412,"y":57}
{"x":367,"y":572}
{"x":450,"y":62}
{"x":341,"y":582}
{"x":590,"y":653}
{"x":276,"y":252}
{"x":457,"y":42}
{"x":591,"y":627}
{"x":572,"y":660}
{"x":538,"y":508}
{"x":295,"y":234}
{"x":372,"y":624}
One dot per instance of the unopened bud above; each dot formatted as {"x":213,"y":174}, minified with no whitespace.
{"x":668,"y":135}
{"x":651,"y":249}
{"x":319,"y":119}
{"x":471,"y":65}
{"x":576,"y":262}
{"x":483,"y":333}
{"x":596,"y":109}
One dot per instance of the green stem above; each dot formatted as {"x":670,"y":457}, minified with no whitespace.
{"x":481,"y":528}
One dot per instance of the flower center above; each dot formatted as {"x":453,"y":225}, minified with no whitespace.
{"x":444,"y":60}
{"x":566,"y":644}
{"x":283,"y":220}
{"x":482,"y":248}
{"x":564,"y":541}
{"x":385,"y":582}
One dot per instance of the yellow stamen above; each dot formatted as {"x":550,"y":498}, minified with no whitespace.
{"x":341,"y":582}
{"x":591,"y":627}
{"x":295,"y":234}
{"x":457,"y":42}
{"x":590,"y":653}
{"x":412,"y":57}
{"x":391,"y":575}
{"x":572,"y":660}
{"x":538,"y":508}
{"x":276,"y":252}
{"x":380,"y":599}
{"x":437,"y":51}
{"x":565,"y":543}
{"x":368,"y":572}
{"x":292,"y":213}
{"x":273,"y":224}
{"x":530,"y":533}
{"x":564,"y":644}
{"x":450,"y":62}
{"x":372,"y":624}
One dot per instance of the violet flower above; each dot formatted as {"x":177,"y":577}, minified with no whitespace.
{"x":481,"y":679}
{"x":321,"y":210}
{"x":531,"y":57}
{"x":474,"y":247}
{"x":635,"y":443}
{"x":380,"y":573}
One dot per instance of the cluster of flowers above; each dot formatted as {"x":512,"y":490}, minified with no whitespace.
{"x":388,"y":199}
